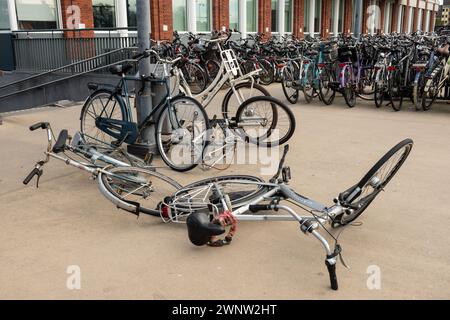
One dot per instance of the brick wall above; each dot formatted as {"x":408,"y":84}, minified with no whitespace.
{"x":424,"y":18}
{"x":348,"y":16}
{"x":265,"y":16}
{"x":86,"y":17}
{"x":221,"y":14}
{"x":325,"y":27}
{"x":406,"y":18}
{"x":394,"y":17}
{"x":432,"y":17}
{"x":299,"y":21}
{"x":161,"y":19}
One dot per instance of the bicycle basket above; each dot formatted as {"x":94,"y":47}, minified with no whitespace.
{"x":231,"y":64}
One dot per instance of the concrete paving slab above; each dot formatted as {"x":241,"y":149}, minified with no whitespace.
{"x":68,"y":222}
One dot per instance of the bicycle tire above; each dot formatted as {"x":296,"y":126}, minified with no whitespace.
{"x":230,"y":107}
{"x":166,"y":119}
{"x":113,"y":186}
{"x":85,"y":111}
{"x":288,"y":76}
{"x":326,"y":98}
{"x":308,"y":76}
{"x":354,"y":196}
{"x":196,"y":77}
{"x":242,"y":196}
{"x":266,"y":75}
{"x":278,"y":108}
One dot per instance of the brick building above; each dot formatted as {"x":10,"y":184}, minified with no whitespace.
{"x":299,"y":17}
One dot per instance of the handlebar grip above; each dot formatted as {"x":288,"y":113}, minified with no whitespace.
{"x":42,"y":125}
{"x":333,"y":278}
{"x":30,"y":176}
{"x":259,"y":207}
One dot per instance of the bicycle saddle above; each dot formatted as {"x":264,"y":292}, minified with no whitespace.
{"x":120,"y":69}
{"x":200,"y":229}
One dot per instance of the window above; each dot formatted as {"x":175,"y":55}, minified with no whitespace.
{"x":306,"y":21}
{"x":40,"y":14}
{"x":252,"y":15}
{"x":341,"y":16}
{"x":203,"y":10}
{"x":104,"y":13}
{"x":179,"y":15}
{"x":317,"y":15}
{"x":131,"y":13}
{"x":274,"y":15}
{"x":234,"y":15}
{"x":288,"y":11}
{"x":4,"y":15}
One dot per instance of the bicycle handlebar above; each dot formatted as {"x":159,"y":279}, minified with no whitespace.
{"x":42,"y":125}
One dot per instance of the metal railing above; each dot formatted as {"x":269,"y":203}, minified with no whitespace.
{"x":43,"y":50}
{"x":126,"y":53}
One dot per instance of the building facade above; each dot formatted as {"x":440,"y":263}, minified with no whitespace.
{"x":297,"y":17}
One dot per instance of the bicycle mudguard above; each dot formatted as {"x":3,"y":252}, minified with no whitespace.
{"x":123,"y":131}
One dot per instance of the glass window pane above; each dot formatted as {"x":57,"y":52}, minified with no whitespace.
{"x":252,"y":15}
{"x":131,"y":13}
{"x":104,"y":13}
{"x":4,"y":16}
{"x":341,"y":16}
{"x":234,"y":14}
{"x":317,"y":15}
{"x":179,"y":15}
{"x":288,"y":15}
{"x":307,"y":11}
{"x":274,"y":15}
{"x":203,"y":15}
{"x":36,"y":14}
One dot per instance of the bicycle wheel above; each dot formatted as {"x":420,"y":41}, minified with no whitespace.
{"x":131,"y":187}
{"x":287,"y":83}
{"x":195,"y":76}
{"x":242,"y":91}
{"x":394,"y":91}
{"x":359,"y":197}
{"x":418,"y":92}
{"x":265,"y":121}
{"x":349,"y":92}
{"x":241,"y":190}
{"x":101,"y":103}
{"x":266,"y":73}
{"x":212,"y":69}
{"x":326,"y":93}
{"x":380,"y":93}
{"x":308,"y":79}
{"x":182,"y":131}
{"x":431,"y":92}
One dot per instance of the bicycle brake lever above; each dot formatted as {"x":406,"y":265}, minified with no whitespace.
{"x":338,"y":251}
{"x":39,"y":174}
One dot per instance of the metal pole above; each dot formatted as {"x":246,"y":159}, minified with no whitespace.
{"x":144,"y":101}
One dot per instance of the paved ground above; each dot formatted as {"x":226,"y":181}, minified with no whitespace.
{"x":67,"y":221}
